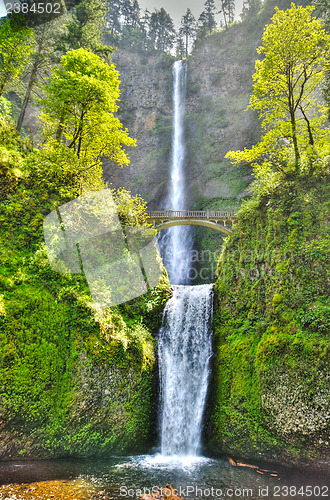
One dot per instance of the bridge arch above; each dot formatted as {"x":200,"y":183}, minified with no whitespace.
{"x":222,"y":221}
{"x":183,"y":222}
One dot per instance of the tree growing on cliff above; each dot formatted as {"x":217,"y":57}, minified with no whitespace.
{"x":162,"y":30}
{"x":227,"y":9}
{"x":295,"y":49}
{"x":250,"y":8}
{"x":324,"y":10}
{"x":80,"y":102}
{"x":86,"y":29}
{"x":46,"y":36}
{"x":16,"y":43}
{"x":206,"y":21}
{"x":188,"y":29}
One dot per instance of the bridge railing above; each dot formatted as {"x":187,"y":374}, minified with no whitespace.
{"x":188,"y":214}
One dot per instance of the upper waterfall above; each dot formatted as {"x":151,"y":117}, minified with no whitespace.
{"x":175,"y":244}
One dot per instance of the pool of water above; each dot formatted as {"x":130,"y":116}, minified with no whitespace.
{"x":193,"y":478}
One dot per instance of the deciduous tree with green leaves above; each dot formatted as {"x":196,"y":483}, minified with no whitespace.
{"x":80,"y":102}
{"x":287,"y":89}
{"x":16,"y":42}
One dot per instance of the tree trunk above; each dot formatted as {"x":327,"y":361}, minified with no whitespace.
{"x":293,"y":125}
{"x":4,"y":83}
{"x":295,"y":140}
{"x":26,"y":98}
{"x":309,"y":128}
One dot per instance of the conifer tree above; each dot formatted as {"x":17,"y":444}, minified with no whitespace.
{"x":43,"y":58}
{"x":251,"y":8}
{"x":113,"y":23}
{"x":162,"y":30}
{"x":206,"y":21}
{"x":227,"y":9}
{"x":86,"y":29}
{"x":188,"y":29}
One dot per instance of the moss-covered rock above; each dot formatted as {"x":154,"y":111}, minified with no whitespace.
{"x":75,"y":380}
{"x":270,"y":389}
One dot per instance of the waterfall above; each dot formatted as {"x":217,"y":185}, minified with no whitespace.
{"x":175,"y":244}
{"x":184,"y":341}
{"x":184,"y":349}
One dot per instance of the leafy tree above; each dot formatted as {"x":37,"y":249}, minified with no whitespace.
{"x":80,"y":101}
{"x":295,"y":48}
{"x":188,"y":29}
{"x":42,"y":60}
{"x":206,"y":20}
{"x":227,"y":9}
{"x":162,"y":30}
{"x":16,"y":42}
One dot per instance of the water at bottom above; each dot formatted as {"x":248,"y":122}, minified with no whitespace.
{"x":192,"y":477}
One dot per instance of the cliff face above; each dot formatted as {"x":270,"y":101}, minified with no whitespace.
{"x":218,"y":87}
{"x":146,"y":110}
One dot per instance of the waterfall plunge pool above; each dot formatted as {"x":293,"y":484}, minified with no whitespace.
{"x":128,"y":477}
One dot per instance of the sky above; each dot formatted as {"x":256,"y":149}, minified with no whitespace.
{"x":177,"y":8}
{"x":2,"y":8}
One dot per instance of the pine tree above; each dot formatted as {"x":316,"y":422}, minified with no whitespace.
{"x":162,"y":30}
{"x":251,"y":8}
{"x":206,"y":21}
{"x":112,"y":16}
{"x":86,"y":29}
{"x":42,"y":60}
{"x":227,"y":9}
{"x":188,"y":29}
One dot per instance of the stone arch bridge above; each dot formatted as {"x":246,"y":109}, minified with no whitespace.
{"x":219,"y":220}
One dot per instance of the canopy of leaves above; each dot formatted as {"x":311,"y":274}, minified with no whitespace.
{"x":80,"y":101}
{"x":16,"y":44}
{"x":287,"y":87}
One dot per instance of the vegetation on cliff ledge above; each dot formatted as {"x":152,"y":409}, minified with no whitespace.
{"x":271,"y":391}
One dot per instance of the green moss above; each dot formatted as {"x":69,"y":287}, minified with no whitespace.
{"x":74,"y":380}
{"x":271,"y":316}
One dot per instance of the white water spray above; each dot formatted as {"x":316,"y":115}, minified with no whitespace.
{"x":184,"y":348}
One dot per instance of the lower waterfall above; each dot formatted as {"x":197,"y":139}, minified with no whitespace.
{"x":184,"y":351}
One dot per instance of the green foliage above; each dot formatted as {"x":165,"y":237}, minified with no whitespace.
{"x":5,"y":107}
{"x":295,"y":47}
{"x":270,"y":325}
{"x":53,"y":340}
{"x":85,"y":30}
{"x":79,"y":106}
{"x":131,"y":209}
{"x":16,"y":44}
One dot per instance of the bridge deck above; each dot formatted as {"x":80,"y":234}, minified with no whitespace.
{"x":192,"y":214}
